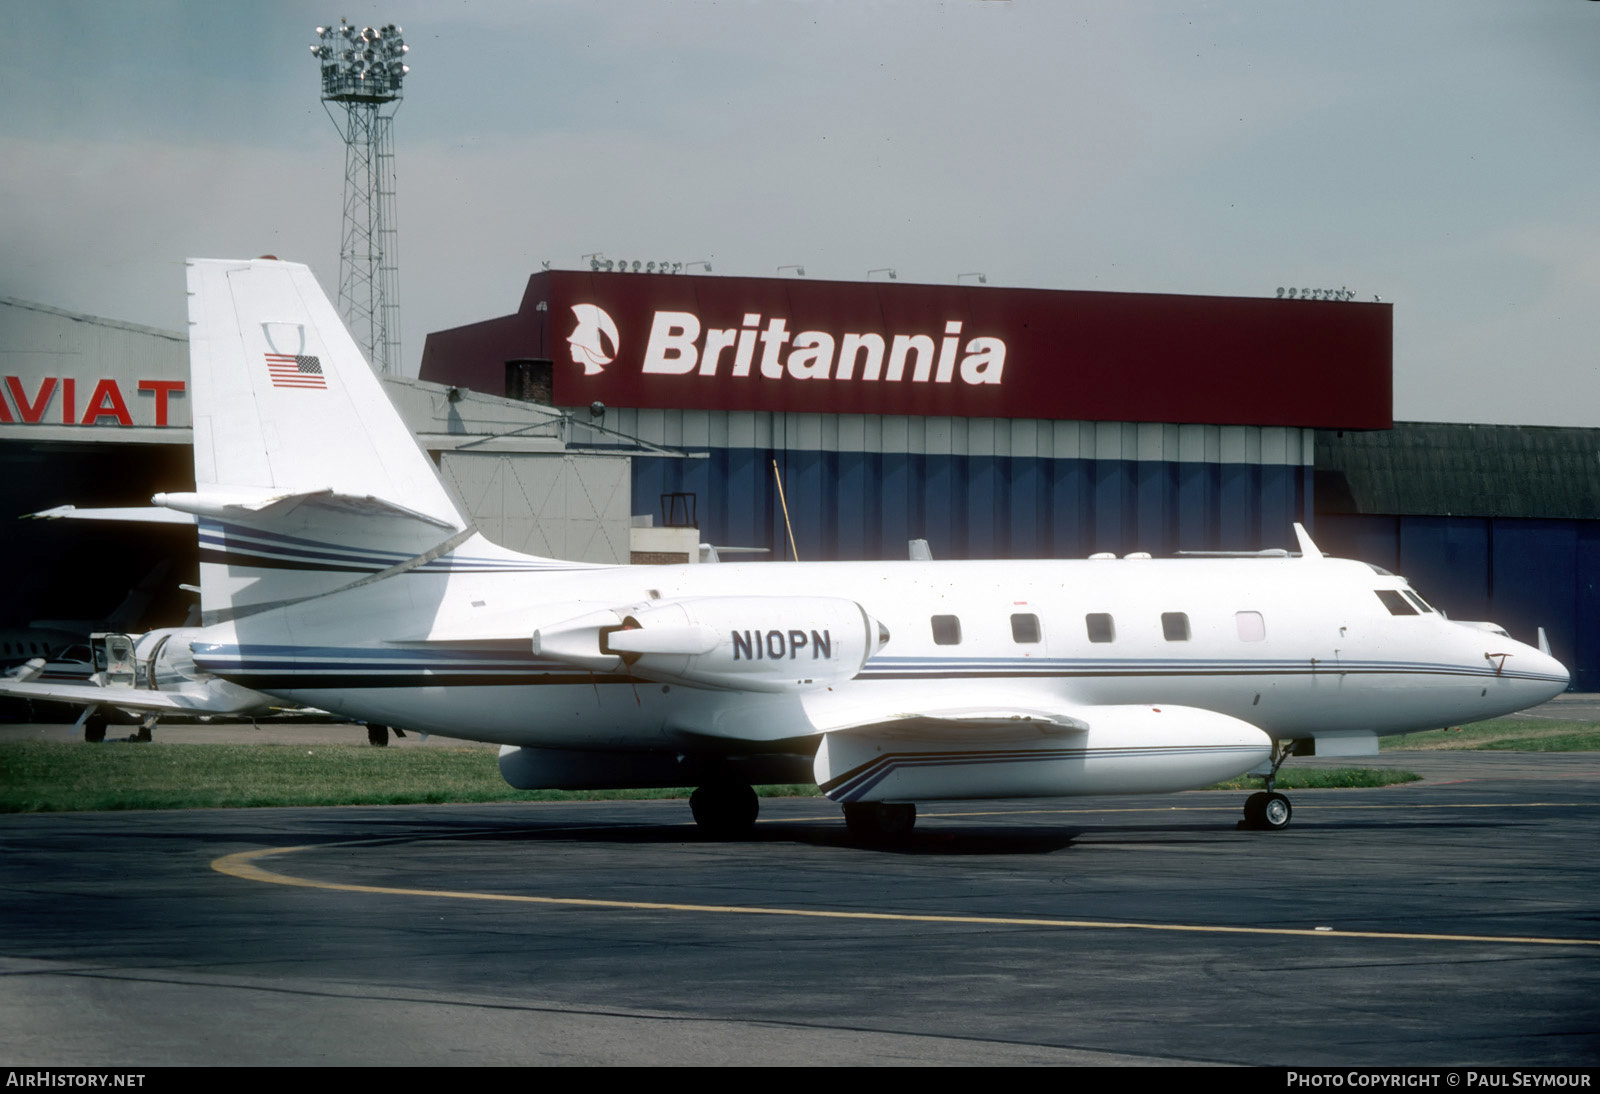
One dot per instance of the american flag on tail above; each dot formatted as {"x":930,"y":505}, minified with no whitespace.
{"x":291,"y":370}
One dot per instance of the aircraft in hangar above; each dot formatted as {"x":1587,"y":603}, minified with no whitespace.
{"x":337,"y":573}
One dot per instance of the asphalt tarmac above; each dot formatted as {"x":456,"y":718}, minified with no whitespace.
{"x":1454,"y":921}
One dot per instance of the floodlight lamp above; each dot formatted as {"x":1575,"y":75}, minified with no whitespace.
{"x":650,"y":267}
{"x":636,"y":265}
{"x":609,"y":265}
{"x":322,"y":32}
{"x":594,"y":264}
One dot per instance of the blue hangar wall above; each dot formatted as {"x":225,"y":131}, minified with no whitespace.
{"x":861,"y":486}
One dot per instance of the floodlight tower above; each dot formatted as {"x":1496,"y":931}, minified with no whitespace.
{"x":362,"y":72}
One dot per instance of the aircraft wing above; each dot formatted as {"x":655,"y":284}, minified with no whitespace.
{"x":216,"y":697}
{"x":1022,"y":746}
{"x":904,"y":713}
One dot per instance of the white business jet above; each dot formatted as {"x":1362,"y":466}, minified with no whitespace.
{"x":337,"y":572}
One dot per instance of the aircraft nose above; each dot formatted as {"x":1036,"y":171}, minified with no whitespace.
{"x":1545,"y":676}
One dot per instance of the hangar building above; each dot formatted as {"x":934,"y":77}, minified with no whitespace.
{"x":991,"y":422}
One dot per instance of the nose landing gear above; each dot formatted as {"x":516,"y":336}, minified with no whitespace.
{"x":1267,"y":810}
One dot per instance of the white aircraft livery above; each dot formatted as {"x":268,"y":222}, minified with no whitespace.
{"x":338,"y":573}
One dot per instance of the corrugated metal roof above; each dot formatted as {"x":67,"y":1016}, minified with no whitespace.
{"x":95,"y":320}
{"x":1444,"y":469}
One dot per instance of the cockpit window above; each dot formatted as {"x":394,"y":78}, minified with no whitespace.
{"x":1422,"y":605}
{"x":1397,"y":604}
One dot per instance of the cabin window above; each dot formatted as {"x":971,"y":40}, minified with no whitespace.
{"x":1252,"y":628}
{"x":1397,"y":604}
{"x":946,"y":630}
{"x":1422,"y":605}
{"x":1175,"y":626}
{"x":1025,"y":628}
{"x":1101,"y":628}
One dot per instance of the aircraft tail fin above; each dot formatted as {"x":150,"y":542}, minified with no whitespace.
{"x":306,"y":477}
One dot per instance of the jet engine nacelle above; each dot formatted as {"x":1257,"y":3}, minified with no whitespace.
{"x":743,"y":643}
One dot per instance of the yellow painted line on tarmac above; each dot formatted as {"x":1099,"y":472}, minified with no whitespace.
{"x":1321,"y":806}
{"x":242,"y":864}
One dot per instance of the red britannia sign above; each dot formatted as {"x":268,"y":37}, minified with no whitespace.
{"x":722,"y":343}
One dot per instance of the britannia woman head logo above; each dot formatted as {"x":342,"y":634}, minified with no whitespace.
{"x":587,"y":348}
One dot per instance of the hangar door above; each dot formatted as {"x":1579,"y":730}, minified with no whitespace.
{"x":558,"y":506}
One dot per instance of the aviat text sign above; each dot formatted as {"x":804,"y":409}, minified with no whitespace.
{"x":58,"y":400}
{"x":723,"y":343}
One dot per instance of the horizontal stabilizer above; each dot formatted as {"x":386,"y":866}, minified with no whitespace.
{"x":142,"y":514}
{"x":272,"y":509}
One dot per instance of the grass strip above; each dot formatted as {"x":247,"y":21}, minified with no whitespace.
{"x":1324,"y":778}
{"x":54,"y":776}
{"x":1504,"y":734}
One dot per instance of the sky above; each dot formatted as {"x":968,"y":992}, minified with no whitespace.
{"x":1441,"y":155}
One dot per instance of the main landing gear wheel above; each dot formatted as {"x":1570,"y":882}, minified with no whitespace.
{"x":1268,"y":811}
{"x":725,"y":810}
{"x":877,"y":822}
{"x":377,"y":735}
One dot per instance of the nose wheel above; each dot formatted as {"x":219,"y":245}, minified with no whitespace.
{"x":1267,"y":811}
